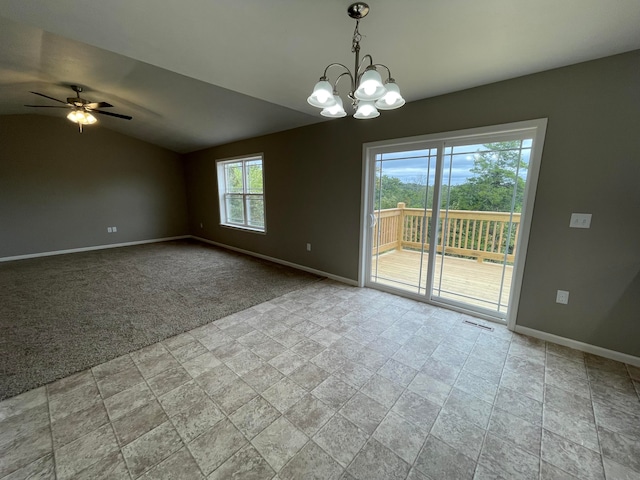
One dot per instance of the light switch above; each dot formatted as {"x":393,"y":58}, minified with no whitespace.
{"x":580,"y":220}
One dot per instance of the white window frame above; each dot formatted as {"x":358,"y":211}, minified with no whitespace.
{"x":536,"y":128}
{"x":223,"y":194}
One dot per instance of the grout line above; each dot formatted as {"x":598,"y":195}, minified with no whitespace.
{"x":53,"y":444}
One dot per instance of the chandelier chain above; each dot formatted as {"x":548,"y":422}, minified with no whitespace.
{"x":357,"y":36}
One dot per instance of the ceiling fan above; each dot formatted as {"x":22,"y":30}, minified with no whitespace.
{"x":82,"y":109}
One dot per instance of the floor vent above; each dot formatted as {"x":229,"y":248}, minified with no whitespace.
{"x":474,"y":324}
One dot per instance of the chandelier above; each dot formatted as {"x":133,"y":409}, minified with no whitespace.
{"x":368,"y":94}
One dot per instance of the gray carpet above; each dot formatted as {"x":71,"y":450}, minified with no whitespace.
{"x":65,"y":313}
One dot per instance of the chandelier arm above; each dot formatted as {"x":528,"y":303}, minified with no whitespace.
{"x":335,"y":85}
{"x":360,"y":65}
{"x":324,"y":75}
{"x":386,"y":68}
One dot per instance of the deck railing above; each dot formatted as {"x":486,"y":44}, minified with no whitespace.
{"x":474,"y":234}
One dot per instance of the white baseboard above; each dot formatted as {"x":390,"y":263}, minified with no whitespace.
{"x":87,"y":249}
{"x":583,"y":347}
{"x":337,"y":278}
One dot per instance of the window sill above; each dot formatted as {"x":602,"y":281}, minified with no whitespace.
{"x":244,"y":229}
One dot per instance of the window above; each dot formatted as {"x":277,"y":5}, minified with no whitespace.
{"x":241,"y":193}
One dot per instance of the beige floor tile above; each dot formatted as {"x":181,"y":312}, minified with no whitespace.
{"x":341,"y":439}
{"x":439,"y":460}
{"x":262,"y":377}
{"x":279,"y":442}
{"x":84,"y":452}
{"x":146,"y":451}
{"x":74,"y":426}
{"x":309,"y":414}
{"x":119,"y":381}
{"x":216,"y":445}
{"x":365,"y":412}
{"x":311,"y":463}
{"x":401,"y":437}
{"x":179,"y":465}
{"x":247,"y":464}
{"x":334,"y":392}
{"x":459,"y":433}
{"x":138,"y":422}
{"x":376,"y":462}
{"x":284,"y":394}
{"x":571,"y":457}
{"x":41,"y":469}
{"x":417,"y":410}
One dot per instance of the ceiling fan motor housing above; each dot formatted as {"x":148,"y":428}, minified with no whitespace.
{"x":77,"y":101}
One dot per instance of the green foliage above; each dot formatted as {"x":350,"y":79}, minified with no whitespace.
{"x":395,"y":190}
{"x":248,"y":196}
{"x":490,"y":189}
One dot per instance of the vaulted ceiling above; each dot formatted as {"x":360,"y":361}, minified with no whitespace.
{"x":198,"y":73}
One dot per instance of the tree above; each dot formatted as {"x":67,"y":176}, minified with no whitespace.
{"x":496,"y":170}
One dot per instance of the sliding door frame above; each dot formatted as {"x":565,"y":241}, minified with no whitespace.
{"x":536,"y":129}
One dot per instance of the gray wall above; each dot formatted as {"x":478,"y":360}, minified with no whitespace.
{"x":60,"y":190}
{"x":590,"y":163}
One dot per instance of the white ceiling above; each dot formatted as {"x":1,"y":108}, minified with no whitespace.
{"x":198,"y":73}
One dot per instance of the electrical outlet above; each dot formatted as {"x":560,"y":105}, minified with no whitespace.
{"x":308,"y":247}
{"x":562,"y":297}
{"x":580,"y":220}
{"x":201,"y":226}
{"x":114,"y":229}
{"x":109,"y":230}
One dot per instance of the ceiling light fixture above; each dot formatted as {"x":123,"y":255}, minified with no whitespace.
{"x":81,"y":109}
{"x":81,"y":117}
{"x":368,"y":94}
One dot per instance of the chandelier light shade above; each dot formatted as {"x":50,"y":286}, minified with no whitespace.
{"x":335,"y":111}
{"x":82,"y":117}
{"x":322,"y":95}
{"x":366,"y":109}
{"x":367,"y":93}
{"x":370,"y":87}
{"x":392,"y":98}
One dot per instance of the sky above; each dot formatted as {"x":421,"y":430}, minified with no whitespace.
{"x":412,"y":166}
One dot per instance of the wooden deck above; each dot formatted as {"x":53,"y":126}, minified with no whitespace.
{"x":461,"y":279}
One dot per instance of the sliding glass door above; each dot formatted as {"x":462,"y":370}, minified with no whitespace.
{"x":403,"y":189}
{"x":480,"y":208}
{"x":443,"y":216}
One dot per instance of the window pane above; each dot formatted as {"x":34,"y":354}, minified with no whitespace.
{"x":254,"y":176}
{"x":235,"y":209}
{"x":241,"y":190}
{"x":255,"y":210}
{"x":233,"y":176}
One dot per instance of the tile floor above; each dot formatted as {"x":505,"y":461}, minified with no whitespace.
{"x":333,"y":382}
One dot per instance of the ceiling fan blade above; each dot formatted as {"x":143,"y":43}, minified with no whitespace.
{"x":98,"y":105}
{"x":48,"y":106}
{"x":50,"y":98}
{"x":126,"y":117}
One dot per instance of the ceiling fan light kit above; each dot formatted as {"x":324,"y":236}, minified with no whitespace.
{"x":368,"y":93}
{"x":82,"y":117}
{"x":82,"y":109}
